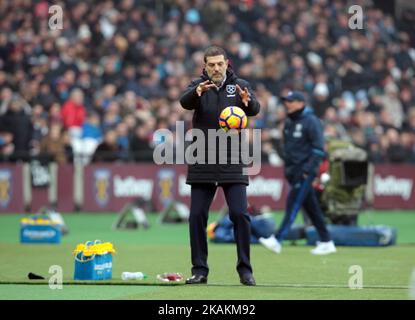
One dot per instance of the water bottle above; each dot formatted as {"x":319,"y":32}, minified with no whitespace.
{"x":133,"y":276}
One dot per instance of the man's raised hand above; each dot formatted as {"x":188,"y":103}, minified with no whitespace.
{"x":244,"y":94}
{"x":204,"y":86}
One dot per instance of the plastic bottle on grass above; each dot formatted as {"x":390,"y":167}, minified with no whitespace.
{"x":133,"y":276}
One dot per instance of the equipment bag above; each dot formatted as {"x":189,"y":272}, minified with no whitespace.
{"x":367,"y":236}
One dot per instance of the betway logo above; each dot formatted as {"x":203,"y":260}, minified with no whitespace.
{"x":392,"y":186}
{"x":131,"y":187}
{"x":261,"y":186}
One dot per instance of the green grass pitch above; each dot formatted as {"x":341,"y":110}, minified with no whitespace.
{"x":294,"y":274}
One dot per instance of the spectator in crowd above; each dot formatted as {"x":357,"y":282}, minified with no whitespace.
{"x":55,"y":114}
{"x":140,"y":147}
{"x":123,"y":140}
{"x":73,"y":113}
{"x":112,"y":116}
{"x":375,"y":153}
{"x":84,"y":147}
{"x":108,"y":149}
{"x":6,"y":146}
{"x":18,"y":123}
{"x":51,"y":146}
{"x":397,"y":152}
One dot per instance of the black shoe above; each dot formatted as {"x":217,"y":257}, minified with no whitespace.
{"x":197,"y":279}
{"x":248,"y":280}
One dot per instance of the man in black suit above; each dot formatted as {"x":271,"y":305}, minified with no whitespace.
{"x":217,"y":88}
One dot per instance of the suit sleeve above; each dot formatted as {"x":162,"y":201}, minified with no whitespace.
{"x":316,"y":137}
{"x":253,"y":105}
{"x":189,"y":99}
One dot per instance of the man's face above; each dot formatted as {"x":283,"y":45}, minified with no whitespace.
{"x":215,"y":67}
{"x":293,"y":106}
{"x":78,"y":97}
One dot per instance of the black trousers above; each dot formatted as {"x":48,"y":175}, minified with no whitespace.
{"x":201,"y":199}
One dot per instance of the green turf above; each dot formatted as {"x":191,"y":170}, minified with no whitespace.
{"x":295,"y":274}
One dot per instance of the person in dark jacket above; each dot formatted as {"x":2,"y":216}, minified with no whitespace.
{"x":108,"y":150}
{"x":140,"y":148}
{"x":303,"y":152}
{"x":218,"y":88}
{"x":18,"y":123}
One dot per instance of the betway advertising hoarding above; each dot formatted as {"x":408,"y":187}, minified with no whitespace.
{"x":110,"y":187}
{"x":393,"y":187}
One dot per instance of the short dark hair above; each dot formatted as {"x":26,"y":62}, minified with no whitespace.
{"x":214,"y":51}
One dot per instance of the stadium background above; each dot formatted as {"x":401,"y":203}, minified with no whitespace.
{"x":91,"y":96}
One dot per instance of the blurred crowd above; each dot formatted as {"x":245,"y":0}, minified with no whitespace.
{"x":99,"y":88}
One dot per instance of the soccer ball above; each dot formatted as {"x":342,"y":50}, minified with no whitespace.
{"x":233,"y":118}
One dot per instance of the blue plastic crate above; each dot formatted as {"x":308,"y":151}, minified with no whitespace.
{"x":95,"y":266}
